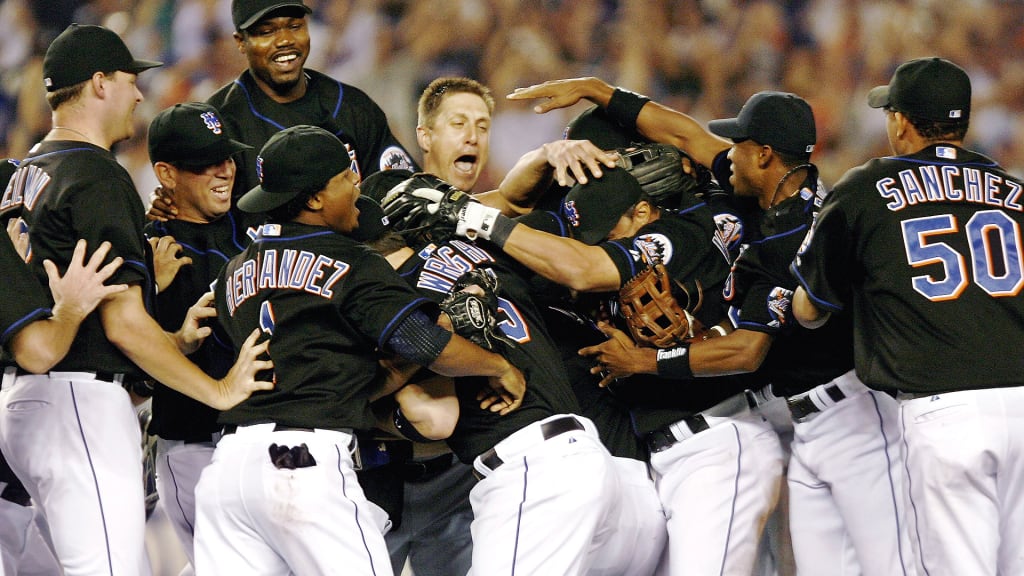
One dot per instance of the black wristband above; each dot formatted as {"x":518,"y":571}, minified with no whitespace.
{"x":501,"y":229}
{"x":674,"y":363}
{"x":406,"y":428}
{"x":624,"y":107}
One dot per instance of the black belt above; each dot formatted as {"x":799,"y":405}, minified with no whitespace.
{"x":115,"y":377}
{"x":232,"y":428}
{"x":804,"y":406}
{"x":664,"y":438}
{"x":423,"y":470}
{"x":548,"y":430}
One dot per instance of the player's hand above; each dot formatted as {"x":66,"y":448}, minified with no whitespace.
{"x":161,"y":205}
{"x":82,"y":287}
{"x":565,"y":93}
{"x":618,"y":356}
{"x":574,"y":159}
{"x":167,"y":260}
{"x":241,"y":381}
{"x":16,"y":229}
{"x":505,"y":393}
{"x":194,"y":330}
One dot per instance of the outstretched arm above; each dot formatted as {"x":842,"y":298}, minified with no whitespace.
{"x":655,"y":121}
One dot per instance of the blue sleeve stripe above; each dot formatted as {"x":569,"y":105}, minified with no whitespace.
{"x":629,"y":257}
{"x":37,"y":314}
{"x":386,"y":333}
{"x":823,"y":304}
{"x":341,"y":96}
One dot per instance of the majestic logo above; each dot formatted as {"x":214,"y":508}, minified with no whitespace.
{"x":571,"y":213}
{"x":212,"y":122}
{"x":394,"y":158}
{"x":778,"y":304}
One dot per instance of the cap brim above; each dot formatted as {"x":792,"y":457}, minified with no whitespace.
{"x":214,"y":154}
{"x":259,"y":15}
{"x":142,"y":65}
{"x":258,"y":200}
{"x":728,"y":128}
{"x":878,"y":97}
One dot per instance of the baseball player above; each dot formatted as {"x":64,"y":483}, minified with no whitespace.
{"x":544,"y":461}
{"x":924,"y":248}
{"x":280,"y":495}
{"x":845,"y":508}
{"x":277,"y":91}
{"x":77,"y":450}
{"x":453,"y":134}
{"x":717,"y":418}
{"x":193,"y":159}
{"x":36,"y":333}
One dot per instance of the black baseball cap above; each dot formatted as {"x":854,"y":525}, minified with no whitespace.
{"x":190,"y":134}
{"x":245,"y":13}
{"x":372,"y":221}
{"x":378,"y":184}
{"x":293,"y":161}
{"x":926,"y":88}
{"x":594,"y":124}
{"x":82,"y":50}
{"x":594,"y":208}
{"x":781,"y":120}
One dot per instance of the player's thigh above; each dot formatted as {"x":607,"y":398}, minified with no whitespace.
{"x":729,"y":477}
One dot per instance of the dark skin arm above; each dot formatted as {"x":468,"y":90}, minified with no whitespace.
{"x":738,"y":352}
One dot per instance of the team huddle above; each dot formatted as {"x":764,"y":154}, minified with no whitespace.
{"x":656,"y":348}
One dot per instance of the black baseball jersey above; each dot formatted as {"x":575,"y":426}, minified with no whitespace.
{"x":327,"y":303}
{"x":759,"y":293}
{"x":24,"y":299}
{"x":250,"y":116}
{"x":927,"y":250}
{"x":210,"y":246}
{"x":71,"y":190}
{"x":433,"y":271}
{"x":688,"y":242}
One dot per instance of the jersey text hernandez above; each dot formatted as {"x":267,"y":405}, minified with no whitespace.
{"x":949,"y":183}
{"x":285,"y":270}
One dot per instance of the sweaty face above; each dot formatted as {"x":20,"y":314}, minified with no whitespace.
{"x":339,"y":202}
{"x":456,"y":146}
{"x":204,"y":194}
{"x":276,"y":49}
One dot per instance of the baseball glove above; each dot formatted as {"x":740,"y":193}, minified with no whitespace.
{"x":472,"y":306}
{"x":659,"y":169}
{"x":652,"y":312}
{"x":418,"y":209}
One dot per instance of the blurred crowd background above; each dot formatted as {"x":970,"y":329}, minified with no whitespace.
{"x":704,"y":57}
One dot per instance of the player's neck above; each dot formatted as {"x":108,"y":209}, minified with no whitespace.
{"x":283,"y":93}
{"x":787,"y":186}
{"x":73,"y":133}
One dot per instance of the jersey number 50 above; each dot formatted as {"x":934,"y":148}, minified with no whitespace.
{"x":995,"y":245}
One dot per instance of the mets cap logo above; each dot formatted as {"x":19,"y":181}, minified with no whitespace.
{"x":571,"y":213}
{"x":212,"y":122}
{"x":259,"y":168}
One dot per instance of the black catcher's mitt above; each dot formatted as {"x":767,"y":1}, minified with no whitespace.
{"x":420,"y":209}
{"x":472,"y":305}
{"x":659,"y":169}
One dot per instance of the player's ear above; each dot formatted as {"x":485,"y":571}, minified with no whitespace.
{"x":423,"y":138}
{"x":166,"y":174}
{"x":239,"y":42}
{"x":764,"y":156}
{"x":314,"y":203}
{"x":642,"y":211}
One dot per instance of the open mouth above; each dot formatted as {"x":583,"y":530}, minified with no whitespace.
{"x":466,"y":163}
{"x":221,"y":192}
{"x":286,"y":60}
